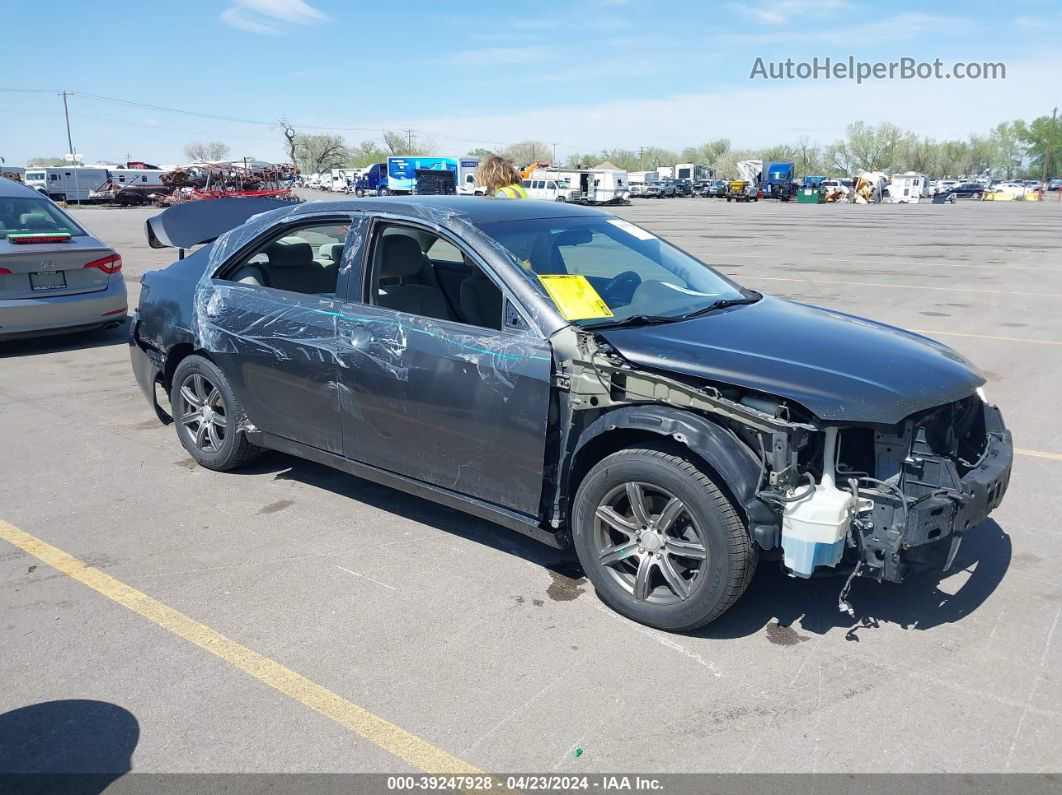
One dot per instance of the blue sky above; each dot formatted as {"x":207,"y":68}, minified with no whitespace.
{"x":587,"y":74}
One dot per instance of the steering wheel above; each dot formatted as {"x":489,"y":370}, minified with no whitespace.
{"x":621,"y":287}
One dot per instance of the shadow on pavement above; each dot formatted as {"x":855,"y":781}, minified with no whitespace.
{"x":66,"y":746}
{"x":774,"y":601}
{"x":411,"y":507}
{"x":93,"y":338}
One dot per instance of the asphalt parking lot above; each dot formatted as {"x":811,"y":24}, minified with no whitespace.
{"x":489,"y":647}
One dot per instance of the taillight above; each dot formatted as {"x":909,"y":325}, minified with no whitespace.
{"x":3,"y":271}
{"x":111,"y":264}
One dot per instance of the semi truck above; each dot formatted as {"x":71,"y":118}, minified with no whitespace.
{"x":778,"y":181}
{"x":402,"y":173}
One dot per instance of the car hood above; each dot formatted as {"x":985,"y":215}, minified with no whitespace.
{"x":840,"y":367}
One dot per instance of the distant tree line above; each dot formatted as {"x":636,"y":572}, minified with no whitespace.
{"x":1010,"y":149}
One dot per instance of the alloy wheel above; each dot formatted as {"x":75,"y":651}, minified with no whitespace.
{"x":650,"y":543}
{"x":202,"y":413}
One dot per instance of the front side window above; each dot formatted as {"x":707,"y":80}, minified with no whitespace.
{"x":303,"y":260}
{"x":605,"y":269}
{"x":420,"y":273}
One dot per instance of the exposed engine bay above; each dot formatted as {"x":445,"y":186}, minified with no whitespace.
{"x":878,"y":501}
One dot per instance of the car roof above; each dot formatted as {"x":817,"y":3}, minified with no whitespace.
{"x":9,"y":187}
{"x":477,"y":209}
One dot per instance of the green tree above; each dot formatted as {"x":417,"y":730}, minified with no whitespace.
{"x":525,"y":153}
{"x":46,"y":161}
{"x":365,"y":154}
{"x":1010,"y":147}
{"x":317,"y":153}
{"x":1043,"y":140}
{"x":407,"y":143}
{"x":871,"y":148}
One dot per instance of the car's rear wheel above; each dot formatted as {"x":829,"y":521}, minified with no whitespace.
{"x":208,"y":416}
{"x":659,"y":540}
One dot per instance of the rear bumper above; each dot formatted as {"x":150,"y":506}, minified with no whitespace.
{"x":25,"y":317}
{"x":145,"y":362}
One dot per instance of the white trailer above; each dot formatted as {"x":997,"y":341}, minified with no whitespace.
{"x":640,"y":180}
{"x":589,"y":185}
{"x":908,"y":188}
{"x":69,"y":183}
{"x":751,"y":171}
{"x":665,"y":172}
{"x":694,"y":172}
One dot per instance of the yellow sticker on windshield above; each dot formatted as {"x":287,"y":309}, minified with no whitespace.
{"x":575,"y":297}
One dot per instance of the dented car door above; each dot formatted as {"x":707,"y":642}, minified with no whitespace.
{"x":452,"y":404}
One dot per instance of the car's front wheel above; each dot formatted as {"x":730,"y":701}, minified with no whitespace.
{"x":207,"y":416}
{"x":659,"y":540}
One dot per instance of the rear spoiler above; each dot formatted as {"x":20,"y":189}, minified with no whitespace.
{"x":195,"y":222}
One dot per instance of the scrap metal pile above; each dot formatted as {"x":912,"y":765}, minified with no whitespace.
{"x":199,"y":181}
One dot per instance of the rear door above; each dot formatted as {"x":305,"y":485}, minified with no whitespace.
{"x":271,"y":326}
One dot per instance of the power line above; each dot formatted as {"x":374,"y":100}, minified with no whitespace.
{"x":259,"y":122}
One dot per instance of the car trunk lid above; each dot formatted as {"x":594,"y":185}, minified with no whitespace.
{"x":30,"y":269}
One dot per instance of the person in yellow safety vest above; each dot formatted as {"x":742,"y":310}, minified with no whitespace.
{"x":500,"y":178}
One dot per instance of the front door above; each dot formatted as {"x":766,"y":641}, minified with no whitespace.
{"x":270,"y":325}
{"x":442,"y":379}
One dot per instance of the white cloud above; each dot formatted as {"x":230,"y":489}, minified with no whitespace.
{"x":488,"y":56}
{"x":779,"y":12}
{"x":1042,"y":24}
{"x":820,"y":109}
{"x":900,"y":27}
{"x":269,"y":17}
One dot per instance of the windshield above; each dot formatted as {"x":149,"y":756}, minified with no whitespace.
{"x":22,"y":214}
{"x":604,"y":269}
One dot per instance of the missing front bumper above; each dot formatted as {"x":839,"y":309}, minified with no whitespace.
{"x":939,"y":507}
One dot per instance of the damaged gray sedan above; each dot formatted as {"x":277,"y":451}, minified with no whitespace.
{"x":571,"y":376}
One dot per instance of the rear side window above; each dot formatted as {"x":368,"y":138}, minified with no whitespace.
{"x":304,"y":260}
{"x":18,"y":214}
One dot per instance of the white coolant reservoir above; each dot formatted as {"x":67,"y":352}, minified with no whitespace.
{"x":814,"y":528}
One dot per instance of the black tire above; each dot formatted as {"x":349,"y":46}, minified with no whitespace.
{"x":225,"y":447}
{"x":708,"y":519}
{"x":561,"y":199}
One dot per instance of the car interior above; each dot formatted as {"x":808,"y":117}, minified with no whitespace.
{"x":295,"y":264}
{"x":423,"y":274}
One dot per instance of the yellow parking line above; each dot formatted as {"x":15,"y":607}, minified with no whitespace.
{"x":1039,"y":454}
{"x":932,"y":332}
{"x":417,"y":752}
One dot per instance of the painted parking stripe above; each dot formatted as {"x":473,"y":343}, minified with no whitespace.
{"x":412,"y":749}
{"x":1039,"y":454}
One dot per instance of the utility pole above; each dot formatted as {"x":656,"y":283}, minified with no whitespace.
{"x":1049,"y":148}
{"x":66,"y":113}
{"x":554,"y":153}
{"x":409,"y":141}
